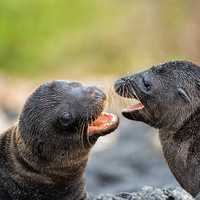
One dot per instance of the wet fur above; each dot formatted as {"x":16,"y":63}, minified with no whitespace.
{"x":172,"y":104}
{"x":43,"y":156}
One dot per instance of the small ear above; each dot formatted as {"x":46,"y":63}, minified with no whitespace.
{"x":184,"y":95}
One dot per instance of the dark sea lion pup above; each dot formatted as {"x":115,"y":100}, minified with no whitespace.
{"x":169,"y":99}
{"x":43,"y":157}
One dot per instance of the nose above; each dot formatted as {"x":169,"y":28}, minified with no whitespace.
{"x":121,"y":82}
{"x":96,"y":92}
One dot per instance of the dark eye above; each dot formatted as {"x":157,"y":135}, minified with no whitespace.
{"x":66,"y":119}
{"x":147,"y":84}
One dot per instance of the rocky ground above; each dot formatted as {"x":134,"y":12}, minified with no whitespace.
{"x":149,"y":193}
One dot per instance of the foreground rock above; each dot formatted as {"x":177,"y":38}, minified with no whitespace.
{"x":149,"y":193}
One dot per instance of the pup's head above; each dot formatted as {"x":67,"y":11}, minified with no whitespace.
{"x":167,"y":93}
{"x":62,"y":120}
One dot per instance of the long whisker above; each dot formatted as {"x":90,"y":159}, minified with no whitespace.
{"x":131,"y":88}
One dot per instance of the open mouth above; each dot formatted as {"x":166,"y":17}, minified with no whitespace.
{"x":104,"y":124}
{"x":133,"y":107}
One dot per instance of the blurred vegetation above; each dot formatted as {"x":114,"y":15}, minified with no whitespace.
{"x":65,"y":38}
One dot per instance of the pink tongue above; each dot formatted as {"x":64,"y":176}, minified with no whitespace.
{"x":138,"y":106}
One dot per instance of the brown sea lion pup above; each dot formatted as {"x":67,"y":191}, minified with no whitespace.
{"x":169,"y":100}
{"x":43,"y":157}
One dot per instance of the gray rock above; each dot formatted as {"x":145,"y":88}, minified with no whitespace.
{"x":149,"y":193}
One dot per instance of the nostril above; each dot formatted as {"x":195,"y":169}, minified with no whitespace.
{"x":125,"y":80}
{"x":128,"y":81}
{"x":119,"y":83}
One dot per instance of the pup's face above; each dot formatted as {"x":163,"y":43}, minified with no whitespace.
{"x":62,"y":120}
{"x":167,"y":94}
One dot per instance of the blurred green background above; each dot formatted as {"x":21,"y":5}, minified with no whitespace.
{"x":83,"y":38}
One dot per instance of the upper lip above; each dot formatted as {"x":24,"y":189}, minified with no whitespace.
{"x":133,"y":95}
{"x":129,"y":91}
{"x":100,"y":109}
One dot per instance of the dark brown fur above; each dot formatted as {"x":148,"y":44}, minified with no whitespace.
{"x":43,"y":156}
{"x":170,"y":93}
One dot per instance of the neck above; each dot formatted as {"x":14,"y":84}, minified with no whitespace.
{"x":64,"y":181}
{"x":181,"y":150}
{"x":188,"y":129}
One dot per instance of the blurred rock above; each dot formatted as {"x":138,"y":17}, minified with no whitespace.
{"x":4,"y":122}
{"x":149,"y":193}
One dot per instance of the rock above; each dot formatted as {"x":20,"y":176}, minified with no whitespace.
{"x":149,"y":193}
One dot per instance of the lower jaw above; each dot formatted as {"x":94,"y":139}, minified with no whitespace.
{"x":105,"y":124}
{"x":133,"y":108}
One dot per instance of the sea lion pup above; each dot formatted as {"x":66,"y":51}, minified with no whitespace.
{"x":169,"y":100}
{"x":43,"y":157}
